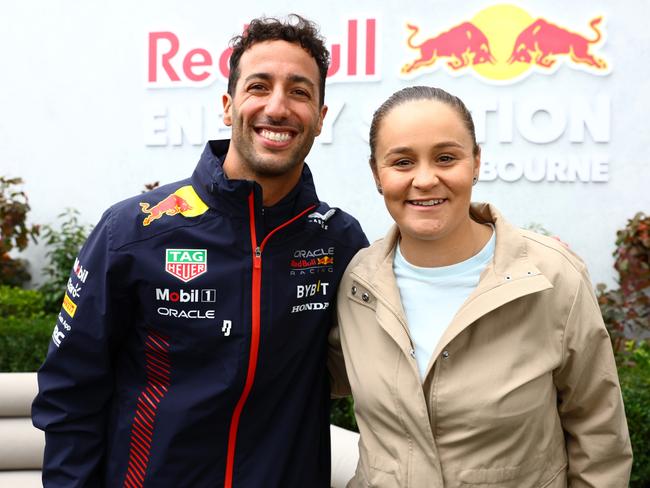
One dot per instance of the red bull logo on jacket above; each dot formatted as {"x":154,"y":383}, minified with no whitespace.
{"x":504,"y":44}
{"x":183,"y":201}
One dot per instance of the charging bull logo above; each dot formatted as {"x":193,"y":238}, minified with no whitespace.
{"x":463,"y":45}
{"x":504,"y":44}
{"x":541,"y":41}
{"x":184,"y":201}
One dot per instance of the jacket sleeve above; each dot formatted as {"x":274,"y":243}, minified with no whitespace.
{"x":339,"y":384}
{"x":589,"y":399}
{"x":76,"y":380}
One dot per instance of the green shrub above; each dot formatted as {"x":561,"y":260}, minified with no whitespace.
{"x":16,"y":302}
{"x":634,"y":374}
{"x":342,"y":413}
{"x":24,"y":342}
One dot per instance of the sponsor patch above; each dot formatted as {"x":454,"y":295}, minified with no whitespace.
{"x":186,"y":296}
{"x":306,"y":291}
{"x":186,"y":264}
{"x":225,"y":328}
{"x":64,"y":323}
{"x":310,"y":306}
{"x":321,"y":219}
{"x":57,"y":336}
{"x":79,"y":271}
{"x":185,"y":314}
{"x":73,"y":288}
{"x":184,"y":201}
{"x":312,"y":261}
{"x":69,"y":306}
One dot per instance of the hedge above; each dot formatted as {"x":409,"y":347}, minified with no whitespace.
{"x":24,"y":342}
{"x":16,"y":302}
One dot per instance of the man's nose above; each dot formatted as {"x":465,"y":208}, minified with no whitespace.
{"x":277,"y":105}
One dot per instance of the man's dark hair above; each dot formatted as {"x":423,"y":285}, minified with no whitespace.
{"x":295,"y":29}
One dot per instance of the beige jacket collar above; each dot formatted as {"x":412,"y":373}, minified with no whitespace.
{"x":509,"y":276}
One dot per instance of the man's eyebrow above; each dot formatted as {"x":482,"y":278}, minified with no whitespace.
{"x":291,"y":78}
{"x":302,"y":79}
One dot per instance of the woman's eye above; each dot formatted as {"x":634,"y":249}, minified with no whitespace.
{"x":446,"y":158}
{"x":402,"y":162}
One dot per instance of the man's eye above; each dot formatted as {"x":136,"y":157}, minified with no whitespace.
{"x":256,"y":87}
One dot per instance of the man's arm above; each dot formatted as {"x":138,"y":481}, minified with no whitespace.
{"x":590,"y":402}
{"x":339,"y":385}
{"x":76,"y":379}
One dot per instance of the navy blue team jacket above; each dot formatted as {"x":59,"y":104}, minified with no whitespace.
{"x":190,"y":349}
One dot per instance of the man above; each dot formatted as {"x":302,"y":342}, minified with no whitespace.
{"x":190,"y":350}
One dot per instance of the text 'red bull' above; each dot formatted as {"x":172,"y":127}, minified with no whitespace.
{"x":171,"y":66}
{"x":464,"y":45}
{"x":170,"y":205}
{"x":541,"y":41}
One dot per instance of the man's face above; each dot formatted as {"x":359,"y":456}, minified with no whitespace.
{"x":275,"y":112}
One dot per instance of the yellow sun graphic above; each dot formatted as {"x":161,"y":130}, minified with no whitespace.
{"x":501,"y":24}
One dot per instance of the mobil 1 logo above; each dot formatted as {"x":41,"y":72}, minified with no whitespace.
{"x":186,"y":296}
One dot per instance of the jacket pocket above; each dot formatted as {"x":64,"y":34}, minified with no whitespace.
{"x":376,"y":472}
{"x":541,"y":472}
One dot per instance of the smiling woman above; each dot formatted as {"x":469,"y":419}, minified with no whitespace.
{"x":475,"y":351}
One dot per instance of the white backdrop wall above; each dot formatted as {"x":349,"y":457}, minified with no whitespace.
{"x":83,"y":126}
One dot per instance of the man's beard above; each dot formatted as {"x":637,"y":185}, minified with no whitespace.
{"x":269,"y":166}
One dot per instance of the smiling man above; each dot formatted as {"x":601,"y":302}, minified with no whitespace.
{"x":193,"y":352}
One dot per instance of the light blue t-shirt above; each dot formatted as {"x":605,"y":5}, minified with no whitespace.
{"x":432,"y":296}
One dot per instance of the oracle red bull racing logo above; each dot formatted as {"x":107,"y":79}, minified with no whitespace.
{"x":504,"y":44}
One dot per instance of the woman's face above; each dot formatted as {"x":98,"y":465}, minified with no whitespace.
{"x":425,"y":166}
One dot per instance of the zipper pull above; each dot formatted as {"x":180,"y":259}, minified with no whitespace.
{"x":257,"y":260}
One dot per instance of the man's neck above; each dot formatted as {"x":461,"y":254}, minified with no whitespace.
{"x":274,"y":188}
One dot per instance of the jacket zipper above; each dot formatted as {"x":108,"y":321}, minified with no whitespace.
{"x":255,"y":331}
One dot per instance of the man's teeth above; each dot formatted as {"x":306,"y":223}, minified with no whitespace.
{"x":427,"y":203}
{"x":275,"y":136}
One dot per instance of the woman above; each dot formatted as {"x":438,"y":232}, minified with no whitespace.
{"x":476,"y":352}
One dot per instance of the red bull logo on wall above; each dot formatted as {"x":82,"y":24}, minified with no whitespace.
{"x":504,"y":44}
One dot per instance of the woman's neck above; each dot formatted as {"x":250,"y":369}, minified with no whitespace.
{"x":466,"y":241}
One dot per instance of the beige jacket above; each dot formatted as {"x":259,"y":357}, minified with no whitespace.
{"x":521,"y":391}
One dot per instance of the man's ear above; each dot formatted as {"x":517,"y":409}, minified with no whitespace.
{"x":321,"y":117}
{"x":227,"y":109}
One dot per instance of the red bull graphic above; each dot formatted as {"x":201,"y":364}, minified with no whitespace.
{"x":170,"y":205}
{"x":503,"y":44}
{"x":183,"y":201}
{"x":542,"y":41}
{"x":463,"y":45}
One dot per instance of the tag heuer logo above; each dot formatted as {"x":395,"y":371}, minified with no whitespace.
{"x":186,"y":264}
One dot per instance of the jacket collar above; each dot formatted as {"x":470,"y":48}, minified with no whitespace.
{"x":511,"y":275}
{"x":231,"y":196}
{"x":510,"y":256}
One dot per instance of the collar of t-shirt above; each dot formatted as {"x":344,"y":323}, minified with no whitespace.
{"x":432,"y":296}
